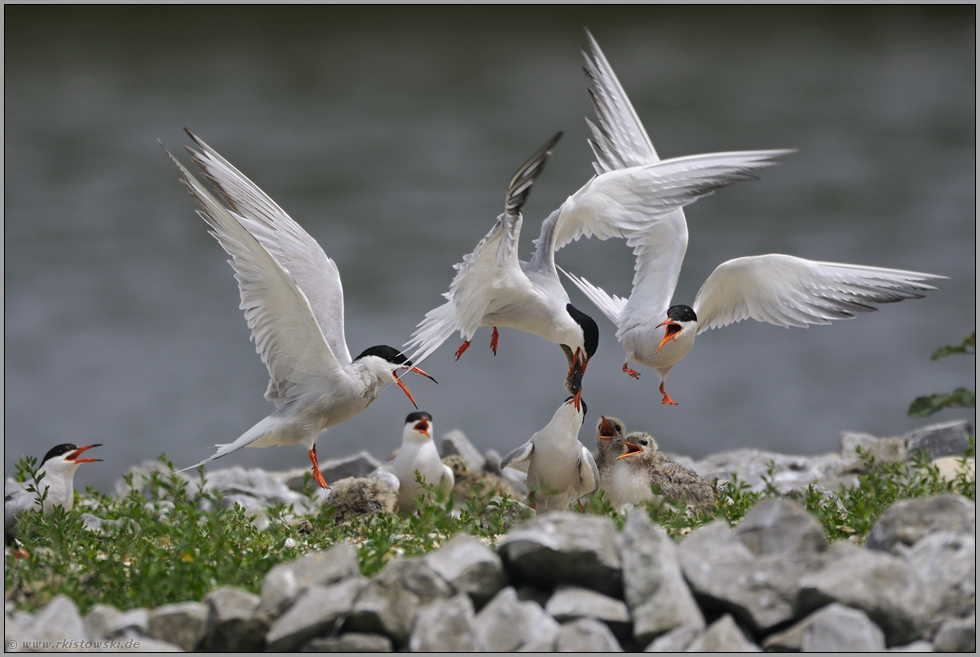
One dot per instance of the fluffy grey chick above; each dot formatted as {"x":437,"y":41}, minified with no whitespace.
{"x":609,"y":432}
{"x":483,"y":482}
{"x":644,"y":464}
{"x":363,"y":496}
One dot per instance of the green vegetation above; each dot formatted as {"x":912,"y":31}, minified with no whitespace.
{"x":176,"y":542}
{"x":959,"y":398}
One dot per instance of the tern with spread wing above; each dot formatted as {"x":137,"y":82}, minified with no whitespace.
{"x":779,"y":289}
{"x":493,"y":288}
{"x":294,"y":305}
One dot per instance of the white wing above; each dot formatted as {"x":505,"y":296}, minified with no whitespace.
{"x":789,"y":291}
{"x":292,"y":247}
{"x":493,"y":265}
{"x":620,"y":202}
{"x":619,"y":141}
{"x":588,"y":473}
{"x":287,"y":336}
{"x":520,"y":458}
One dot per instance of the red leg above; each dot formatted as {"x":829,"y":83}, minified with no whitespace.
{"x":317,"y":475}
{"x":462,"y":348}
{"x":666,"y":399}
{"x":633,"y":373}
{"x":493,"y":340}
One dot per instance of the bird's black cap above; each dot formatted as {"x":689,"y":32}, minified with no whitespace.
{"x":419,"y":415}
{"x":389,"y":354}
{"x":589,"y":329}
{"x":682,"y":314}
{"x":58,"y":450}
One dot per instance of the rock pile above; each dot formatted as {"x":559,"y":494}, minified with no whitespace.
{"x":566,"y":581}
{"x":571,"y":582}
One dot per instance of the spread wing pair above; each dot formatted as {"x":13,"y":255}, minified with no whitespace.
{"x":779,"y":289}
{"x":492,"y":287}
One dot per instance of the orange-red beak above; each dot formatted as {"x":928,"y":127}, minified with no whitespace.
{"x":422,"y":426}
{"x":401,"y":385}
{"x":576,"y":401}
{"x":606,"y":429}
{"x":73,"y":457}
{"x":630,"y":450}
{"x":673,"y":330}
{"x":405,"y":390}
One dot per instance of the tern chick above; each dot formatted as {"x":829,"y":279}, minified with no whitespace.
{"x":58,"y":467}
{"x":363,"y":496}
{"x":418,"y":454}
{"x":480,"y":483}
{"x":643,"y":464}
{"x":608,"y":442}
{"x":559,"y":468}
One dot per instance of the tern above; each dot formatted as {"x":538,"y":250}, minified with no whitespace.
{"x":559,"y":468}
{"x":780,"y":289}
{"x":634,"y":472}
{"x":58,"y":469}
{"x":493,"y":288}
{"x":294,"y":305}
{"x":418,"y":455}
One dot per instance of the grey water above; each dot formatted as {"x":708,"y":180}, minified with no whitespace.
{"x":390,"y":135}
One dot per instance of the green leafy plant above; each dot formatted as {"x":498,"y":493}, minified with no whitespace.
{"x":961,"y":397}
{"x":167,"y":540}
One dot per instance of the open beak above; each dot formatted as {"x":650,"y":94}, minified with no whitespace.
{"x":576,"y":401}
{"x":630,"y":450}
{"x":422,"y":426}
{"x":73,"y":457}
{"x":418,"y":370}
{"x":606,"y":430}
{"x":405,"y":390}
{"x":673,"y":330}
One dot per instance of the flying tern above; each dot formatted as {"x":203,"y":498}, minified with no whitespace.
{"x":493,"y":288}
{"x":58,"y":468}
{"x":294,"y":305}
{"x":779,"y":289}
{"x":559,"y":468}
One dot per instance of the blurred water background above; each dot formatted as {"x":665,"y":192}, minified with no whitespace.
{"x":390,"y":135}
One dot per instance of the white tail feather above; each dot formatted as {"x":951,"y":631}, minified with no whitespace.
{"x":261,"y":429}
{"x":611,"y":306}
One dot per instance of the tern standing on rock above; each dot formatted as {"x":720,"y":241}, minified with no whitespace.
{"x":779,"y":289}
{"x":418,"y":454}
{"x":58,"y":467}
{"x":559,"y":468}
{"x":493,"y":288}
{"x":294,"y":304}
